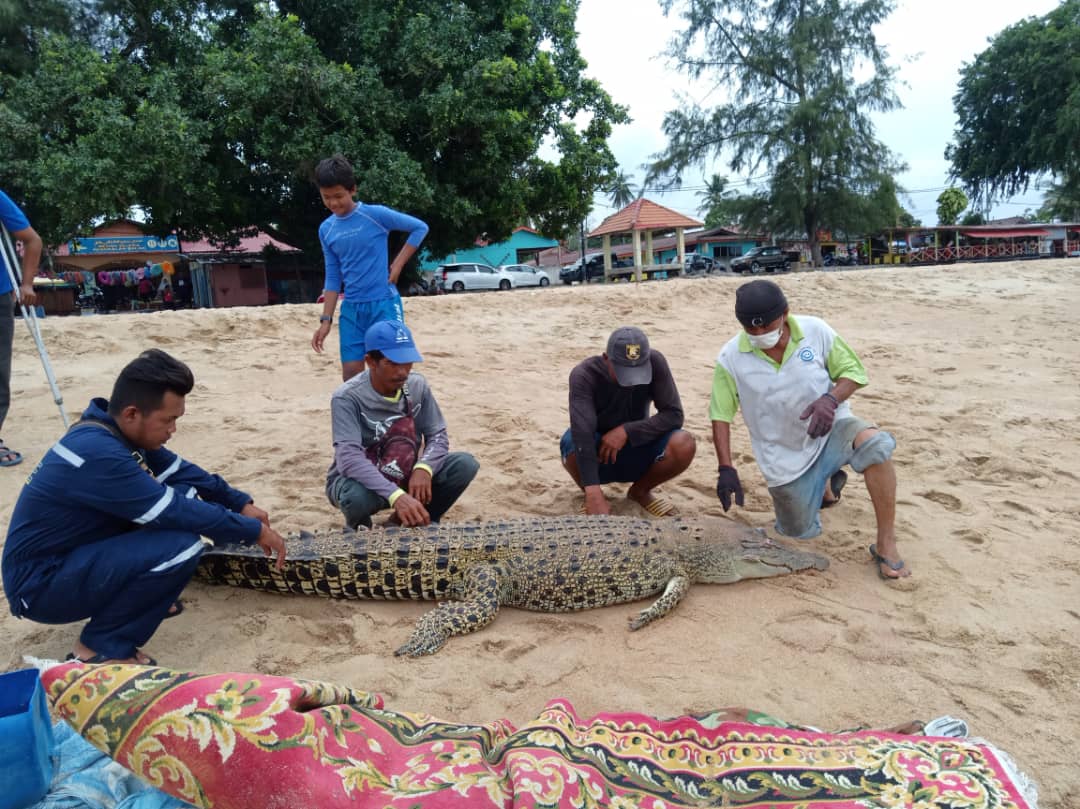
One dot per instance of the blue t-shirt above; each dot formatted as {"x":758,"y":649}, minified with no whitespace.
{"x":355,"y":250}
{"x":13,"y":219}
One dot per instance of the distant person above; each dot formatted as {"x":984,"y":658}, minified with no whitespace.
{"x":612,"y":436}
{"x":16,"y":223}
{"x":183,"y":292}
{"x":109,"y":525}
{"x":391,"y":448}
{"x":355,"y":251}
{"x":792,"y":376}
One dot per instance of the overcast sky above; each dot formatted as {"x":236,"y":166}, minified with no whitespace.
{"x":927,"y":41}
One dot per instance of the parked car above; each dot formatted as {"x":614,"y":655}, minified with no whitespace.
{"x":695,"y":263}
{"x":461,"y":277}
{"x":769,"y":258}
{"x":594,"y":268}
{"x":525,"y":275}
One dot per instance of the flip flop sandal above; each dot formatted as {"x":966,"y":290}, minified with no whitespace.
{"x":896,"y":566}
{"x":100,"y":658}
{"x":176,"y":608}
{"x":836,"y":485}
{"x":659,"y":507}
{"x":9,"y":456}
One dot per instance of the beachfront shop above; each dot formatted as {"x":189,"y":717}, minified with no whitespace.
{"x":119,"y":268}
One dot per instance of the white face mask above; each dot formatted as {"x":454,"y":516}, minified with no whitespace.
{"x":767,"y":340}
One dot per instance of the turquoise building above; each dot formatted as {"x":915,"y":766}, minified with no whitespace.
{"x":521,"y":248}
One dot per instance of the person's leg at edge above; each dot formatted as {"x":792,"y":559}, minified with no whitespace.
{"x":678,"y":454}
{"x":881,"y":485}
{"x":452,"y":479}
{"x":7,"y":337}
{"x":357,"y":502}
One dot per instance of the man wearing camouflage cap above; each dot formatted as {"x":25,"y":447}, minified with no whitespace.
{"x":612,"y":436}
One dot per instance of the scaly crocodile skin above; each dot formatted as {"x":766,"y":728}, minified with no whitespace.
{"x":547,"y":564}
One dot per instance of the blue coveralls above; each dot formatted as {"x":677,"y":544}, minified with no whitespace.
{"x":104,"y":532}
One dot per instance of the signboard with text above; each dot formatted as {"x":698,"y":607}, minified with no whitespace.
{"x":124,"y":244}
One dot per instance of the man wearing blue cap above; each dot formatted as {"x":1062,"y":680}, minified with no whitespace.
{"x":390,"y":444}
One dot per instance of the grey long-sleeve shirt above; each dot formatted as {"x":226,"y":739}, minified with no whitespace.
{"x":360,"y":416}
{"x":599,"y":404}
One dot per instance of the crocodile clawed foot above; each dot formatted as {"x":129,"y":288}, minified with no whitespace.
{"x":638,"y":621}
{"x":418,"y":646}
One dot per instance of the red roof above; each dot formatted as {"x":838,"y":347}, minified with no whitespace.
{"x":643,"y":214}
{"x":999,"y":233}
{"x":247,"y":245}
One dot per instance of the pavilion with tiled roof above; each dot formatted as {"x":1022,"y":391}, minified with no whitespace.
{"x":644,"y":216}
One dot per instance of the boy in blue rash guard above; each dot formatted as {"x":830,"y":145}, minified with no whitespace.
{"x":354,"y":244}
{"x":108,"y":525}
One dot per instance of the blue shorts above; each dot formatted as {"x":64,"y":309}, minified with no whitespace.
{"x":631,"y":463}
{"x":358,"y":316}
{"x":797,"y":503}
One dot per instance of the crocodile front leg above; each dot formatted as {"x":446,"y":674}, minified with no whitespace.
{"x":482,"y":584}
{"x":676,"y":588}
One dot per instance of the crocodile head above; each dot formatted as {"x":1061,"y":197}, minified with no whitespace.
{"x":751,"y":555}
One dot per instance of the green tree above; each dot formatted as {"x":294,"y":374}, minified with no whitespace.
{"x":908,"y":220}
{"x":796,"y":106}
{"x":1060,"y":203}
{"x":228,"y":106}
{"x":1018,"y":108}
{"x":950,"y":203}
{"x":973,"y":218}
{"x":621,"y":191}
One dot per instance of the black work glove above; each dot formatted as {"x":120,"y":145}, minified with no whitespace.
{"x":821,"y":413}
{"x":727,"y":484}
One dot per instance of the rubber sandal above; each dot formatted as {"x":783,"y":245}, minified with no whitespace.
{"x":90,"y":661}
{"x":836,"y":485}
{"x":176,"y":608}
{"x":896,"y":566}
{"x":100,"y":658}
{"x":10,"y":457}
{"x":659,"y":507}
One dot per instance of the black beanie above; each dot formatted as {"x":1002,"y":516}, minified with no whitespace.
{"x":759,"y":303}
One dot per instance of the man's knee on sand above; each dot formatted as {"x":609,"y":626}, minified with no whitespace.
{"x":681,"y":447}
{"x":358,"y":503}
{"x":872,"y":447}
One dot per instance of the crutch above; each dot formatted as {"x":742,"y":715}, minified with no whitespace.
{"x":11,"y":261}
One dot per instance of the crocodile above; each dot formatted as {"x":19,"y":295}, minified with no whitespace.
{"x":545,"y":564}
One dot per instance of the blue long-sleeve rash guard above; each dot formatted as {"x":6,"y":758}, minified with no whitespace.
{"x":90,"y":486}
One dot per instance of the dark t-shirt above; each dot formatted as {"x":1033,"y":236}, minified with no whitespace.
{"x":599,"y":404}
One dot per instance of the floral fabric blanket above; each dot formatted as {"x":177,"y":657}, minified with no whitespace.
{"x":239,"y":741}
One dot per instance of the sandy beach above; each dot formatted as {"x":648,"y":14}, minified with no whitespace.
{"x":966,"y":370}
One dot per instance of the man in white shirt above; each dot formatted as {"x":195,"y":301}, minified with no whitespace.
{"x":792,"y":376}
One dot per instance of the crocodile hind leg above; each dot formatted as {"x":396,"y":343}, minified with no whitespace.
{"x":676,"y":588}
{"x":482,"y":585}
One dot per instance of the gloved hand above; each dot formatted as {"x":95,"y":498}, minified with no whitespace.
{"x":727,"y":484}
{"x":821,"y":413}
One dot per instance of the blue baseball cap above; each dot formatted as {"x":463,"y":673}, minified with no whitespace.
{"x":394,"y":340}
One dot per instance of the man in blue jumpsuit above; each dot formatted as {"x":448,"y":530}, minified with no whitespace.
{"x":109,"y":525}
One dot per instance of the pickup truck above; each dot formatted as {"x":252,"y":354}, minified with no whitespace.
{"x":768,"y":257}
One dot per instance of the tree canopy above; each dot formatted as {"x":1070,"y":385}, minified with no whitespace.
{"x":950,"y":203}
{"x":795,"y":108}
{"x":1018,"y":108}
{"x":209,"y":115}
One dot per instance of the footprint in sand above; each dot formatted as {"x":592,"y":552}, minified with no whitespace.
{"x":968,"y":535}
{"x":942,"y":499}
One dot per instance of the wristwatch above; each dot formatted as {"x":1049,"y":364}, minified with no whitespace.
{"x":326,"y":319}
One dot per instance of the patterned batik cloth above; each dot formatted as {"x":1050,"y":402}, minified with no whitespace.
{"x":249,"y":741}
